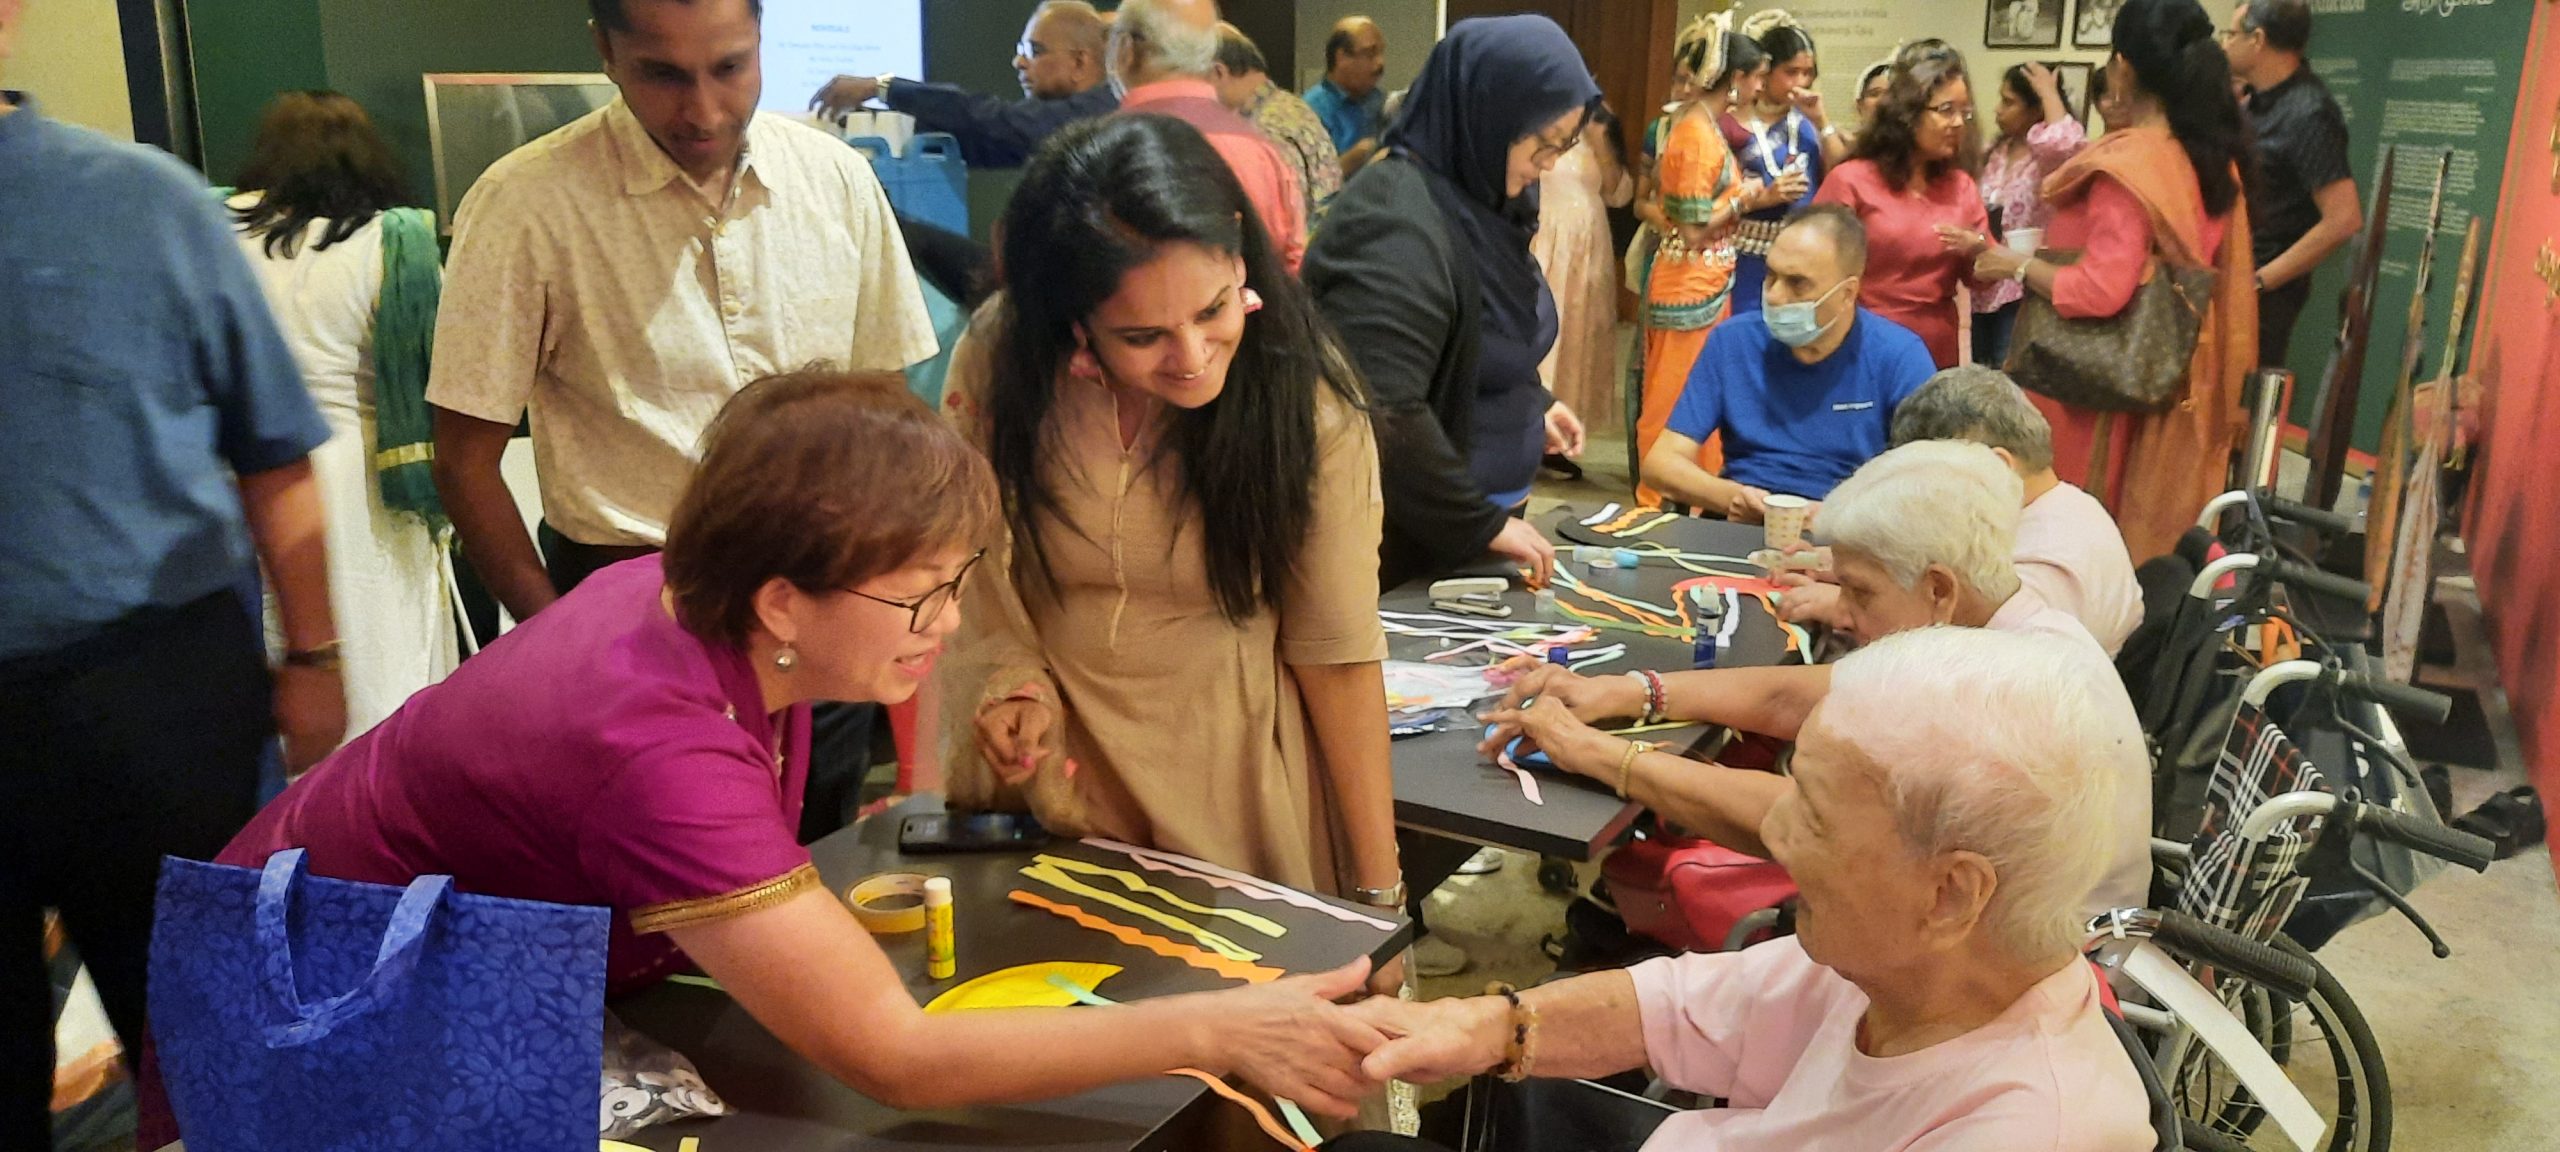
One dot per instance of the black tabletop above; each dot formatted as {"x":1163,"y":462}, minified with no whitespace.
{"x":782,"y":1103}
{"x":1444,"y":788}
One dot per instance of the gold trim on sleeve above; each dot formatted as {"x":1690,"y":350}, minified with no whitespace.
{"x":681,"y":913}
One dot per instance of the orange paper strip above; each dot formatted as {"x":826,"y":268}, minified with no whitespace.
{"x":1195,"y":957}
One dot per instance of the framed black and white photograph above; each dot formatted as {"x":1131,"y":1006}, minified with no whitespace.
{"x":2022,"y":23}
{"x":2093,"y":23}
{"x":2073,"y":79}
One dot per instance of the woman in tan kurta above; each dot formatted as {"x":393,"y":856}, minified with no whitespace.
{"x":1171,"y":422}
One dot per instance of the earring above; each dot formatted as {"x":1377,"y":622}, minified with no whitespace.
{"x":786,"y":658}
{"x":1252,"y":300}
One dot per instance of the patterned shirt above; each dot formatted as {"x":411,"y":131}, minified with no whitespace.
{"x":1292,"y":125}
{"x":593,"y":282}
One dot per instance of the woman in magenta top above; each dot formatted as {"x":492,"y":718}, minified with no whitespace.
{"x":1911,"y":176}
{"x":640,"y":745}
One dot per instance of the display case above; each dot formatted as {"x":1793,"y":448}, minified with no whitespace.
{"x":473,"y":118}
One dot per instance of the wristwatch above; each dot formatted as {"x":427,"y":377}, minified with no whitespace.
{"x":883,"y":81}
{"x":1388,"y":897}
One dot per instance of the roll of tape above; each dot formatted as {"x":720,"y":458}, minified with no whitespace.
{"x":903,"y":892}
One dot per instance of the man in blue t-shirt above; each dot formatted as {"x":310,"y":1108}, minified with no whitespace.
{"x":1802,"y":392}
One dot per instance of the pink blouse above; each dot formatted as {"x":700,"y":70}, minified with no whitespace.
{"x":2013,"y":183}
{"x":1911,"y":275}
{"x":1776,"y":1035}
{"x":599,"y":754}
{"x":2113,"y":233}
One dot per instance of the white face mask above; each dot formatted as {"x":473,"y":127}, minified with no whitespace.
{"x":1798,"y":324}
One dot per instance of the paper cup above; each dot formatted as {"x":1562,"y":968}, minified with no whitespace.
{"x":2024,"y":241}
{"x":1785,"y":520}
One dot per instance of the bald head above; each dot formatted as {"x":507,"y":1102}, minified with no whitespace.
{"x":1155,"y":40}
{"x":1355,"y":56}
{"x":1063,"y":50}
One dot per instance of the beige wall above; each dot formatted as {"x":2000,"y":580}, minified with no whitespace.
{"x":1856,"y":33}
{"x":71,"y":57}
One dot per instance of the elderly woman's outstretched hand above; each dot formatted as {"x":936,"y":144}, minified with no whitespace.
{"x":1438,"y":1040}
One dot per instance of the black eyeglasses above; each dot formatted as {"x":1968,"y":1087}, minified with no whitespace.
{"x":924,"y":610}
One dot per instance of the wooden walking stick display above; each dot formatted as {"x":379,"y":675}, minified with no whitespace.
{"x":2391,"y":463}
{"x":2411,"y":557}
{"x":2333,"y":418}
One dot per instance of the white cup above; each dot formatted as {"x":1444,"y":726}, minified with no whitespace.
{"x":2024,"y":241}
{"x":1785,"y":520}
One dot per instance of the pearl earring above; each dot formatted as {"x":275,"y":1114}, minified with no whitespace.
{"x":787,"y":658}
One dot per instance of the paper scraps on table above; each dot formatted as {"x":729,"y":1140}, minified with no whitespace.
{"x":1633,"y":522}
{"x":1059,"y":879}
{"x":1414,"y":686}
{"x":1600,"y":517}
{"x":1251,"y":887}
{"x":1528,"y":783}
{"x":1136,"y":886}
{"x":1170,"y":950}
{"x":1050,"y":984}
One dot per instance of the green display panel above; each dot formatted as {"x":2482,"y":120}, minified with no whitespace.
{"x":2427,"y":76}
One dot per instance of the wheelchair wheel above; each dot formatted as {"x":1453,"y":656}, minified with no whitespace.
{"x":2325,"y":1048}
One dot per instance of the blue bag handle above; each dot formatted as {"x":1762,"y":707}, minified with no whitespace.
{"x":402,"y":940}
{"x":940,"y":147}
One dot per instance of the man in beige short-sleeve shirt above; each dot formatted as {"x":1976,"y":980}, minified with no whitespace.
{"x":623,"y":277}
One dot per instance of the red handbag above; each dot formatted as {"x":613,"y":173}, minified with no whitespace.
{"x":1689,"y":894}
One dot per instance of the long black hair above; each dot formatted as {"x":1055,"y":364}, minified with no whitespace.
{"x":2179,"y":62}
{"x":1891,"y":139}
{"x":1100,"y":199}
{"x":317,"y":157}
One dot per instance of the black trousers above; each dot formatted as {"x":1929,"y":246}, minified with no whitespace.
{"x":840,"y":735}
{"x":138,"y":743}
{"x":1380,"y":1142}
{"x":2278,"y":308}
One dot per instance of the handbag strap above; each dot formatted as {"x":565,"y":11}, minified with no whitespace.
{"x":402,"y":940}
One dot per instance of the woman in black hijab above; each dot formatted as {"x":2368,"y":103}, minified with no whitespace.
{"x":1423,"y":265}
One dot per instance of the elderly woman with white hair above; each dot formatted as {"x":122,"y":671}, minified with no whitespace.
{"x":1949,"y":814}
{"x":1919,"y":536}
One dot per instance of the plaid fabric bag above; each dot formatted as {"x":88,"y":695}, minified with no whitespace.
{"x":2250,"y":886}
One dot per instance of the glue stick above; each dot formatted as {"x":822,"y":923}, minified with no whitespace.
{"x":940,"y":955}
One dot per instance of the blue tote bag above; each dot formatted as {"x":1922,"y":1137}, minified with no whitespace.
{"x":300,"y":1014}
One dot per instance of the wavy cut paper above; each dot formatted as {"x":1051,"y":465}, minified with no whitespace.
{"x":1198,"y":958}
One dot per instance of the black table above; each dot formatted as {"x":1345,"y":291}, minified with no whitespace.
{"x":1444,"y":788}
{"x":782,"y":1103}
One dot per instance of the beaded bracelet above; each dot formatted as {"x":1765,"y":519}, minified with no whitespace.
{"x":1519,"y":1050}
{"x":1653,"y":694}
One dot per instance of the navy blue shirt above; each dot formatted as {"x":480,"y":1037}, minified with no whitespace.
{"x":139,"y":371}
{"x":995,"y":133}
{"x":1796,"y":428}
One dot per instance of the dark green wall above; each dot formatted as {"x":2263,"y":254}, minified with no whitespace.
{"x":377,"y":50}
{"x":970,"y":43}
{"x":246,"y":51}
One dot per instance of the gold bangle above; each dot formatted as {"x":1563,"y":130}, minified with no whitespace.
{"x":1627,"y":762}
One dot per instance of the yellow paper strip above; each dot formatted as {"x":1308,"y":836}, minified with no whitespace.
{"x":1130,"y":881}
{"x":1210,"y":940}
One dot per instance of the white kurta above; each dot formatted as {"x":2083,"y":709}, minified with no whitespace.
{"x":386,"y":583}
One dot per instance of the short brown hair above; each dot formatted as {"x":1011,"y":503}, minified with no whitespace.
{"x":822,"y":478}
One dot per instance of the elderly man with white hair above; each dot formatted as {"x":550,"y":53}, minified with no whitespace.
{"x":1919,"y":536}
{"x":1949,"y":814}
{"x":1162,"y":53}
